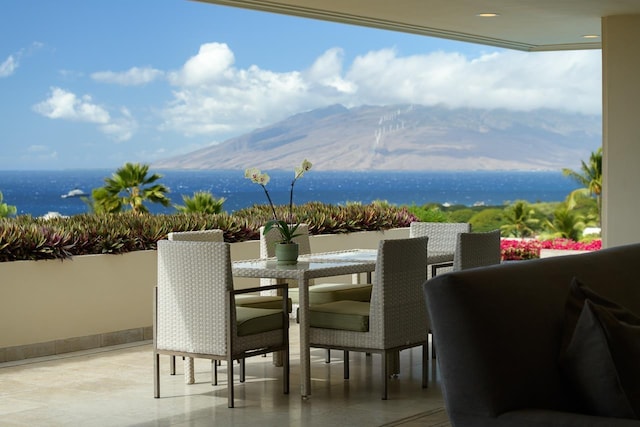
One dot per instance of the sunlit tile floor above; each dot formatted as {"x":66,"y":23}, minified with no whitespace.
{"x":114,"y":387}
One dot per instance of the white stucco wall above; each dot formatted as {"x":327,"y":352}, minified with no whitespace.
{"x":42,"y":301}
{"x":621,"y":129}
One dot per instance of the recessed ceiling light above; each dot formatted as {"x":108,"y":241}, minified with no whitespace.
{"x":591,"y":36}
{"x":488,"y":14}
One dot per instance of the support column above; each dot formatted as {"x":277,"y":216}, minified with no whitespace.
{"x":621,"y":130}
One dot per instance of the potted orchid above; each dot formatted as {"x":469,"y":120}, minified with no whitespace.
{"x":285,"y":226}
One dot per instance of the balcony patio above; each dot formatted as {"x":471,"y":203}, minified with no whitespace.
{"x":113,"y":386}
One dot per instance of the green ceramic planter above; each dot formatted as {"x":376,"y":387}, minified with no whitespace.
{"x":287,"y":253}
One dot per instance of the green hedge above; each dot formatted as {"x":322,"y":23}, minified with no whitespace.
{"x":28,"y":238}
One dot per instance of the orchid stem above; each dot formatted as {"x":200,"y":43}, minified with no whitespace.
{"x":273,"y":209}
{"x":291,"y":201}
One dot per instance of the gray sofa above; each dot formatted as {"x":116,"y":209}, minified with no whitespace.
{"x":499,"y":331}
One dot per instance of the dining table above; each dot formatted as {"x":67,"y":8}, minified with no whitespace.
{"x":434,"y":258}
{"x":308,"y":267}
{"x":314,"y":266}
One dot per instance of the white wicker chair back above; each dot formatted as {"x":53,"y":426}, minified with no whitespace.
{"x":477,"y":250}
{"x":214,"y":235}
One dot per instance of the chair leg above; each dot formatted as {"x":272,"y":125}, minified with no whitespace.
{"x":242,"y":366}
{"x":214,"y":371}
{"x":156,"y":375}
{"x":172,"y":365}
{"x":327,"y":356}
{"x":394,"y":363}
{"x":425,"y":357}
{"x":230,"y":381}
{"x":286,"y":371}
{"x":346,"y":365}
{"x":385,"y":375}
{"x":433,"y":345}
{"x":189,"y":375}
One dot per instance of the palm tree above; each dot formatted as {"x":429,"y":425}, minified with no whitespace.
{"x":590,"y":177}
{"x":127,"y":187}
{"x":5,"y":209}
{"x":566,"y":223}
{"x":519,"y":220}
{"x":202,"y":202}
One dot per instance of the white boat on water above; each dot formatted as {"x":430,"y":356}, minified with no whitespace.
{"x":76,"y":192}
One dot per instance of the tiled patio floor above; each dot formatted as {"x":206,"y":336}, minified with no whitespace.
{"x":114,"y":387}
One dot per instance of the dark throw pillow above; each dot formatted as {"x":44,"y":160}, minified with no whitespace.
{"x":601,"y":353}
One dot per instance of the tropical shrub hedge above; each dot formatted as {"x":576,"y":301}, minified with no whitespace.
{"x":28,"y":238}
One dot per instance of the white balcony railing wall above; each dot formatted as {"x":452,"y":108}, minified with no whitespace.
{"x":52,"y":307}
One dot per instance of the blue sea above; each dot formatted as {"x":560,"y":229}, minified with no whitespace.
{"x":39,"y":192}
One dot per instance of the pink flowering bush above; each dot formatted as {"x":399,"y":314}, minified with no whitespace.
{"x":519,"y":249}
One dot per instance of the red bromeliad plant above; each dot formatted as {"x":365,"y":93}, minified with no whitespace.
{"x":514,"y":249}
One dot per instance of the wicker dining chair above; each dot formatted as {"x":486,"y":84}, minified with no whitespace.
{"x":442,"y":246}
{"x":318,"y":293}
{"x":442,"y":240}
{"x":214,"y":235}
{"x":395,"y":318}
{"x":196,"y":313}
{"x":244,"y":300}
{"x":477,"y":249}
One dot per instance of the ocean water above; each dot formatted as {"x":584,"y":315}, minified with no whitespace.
{"x":39,"y":192}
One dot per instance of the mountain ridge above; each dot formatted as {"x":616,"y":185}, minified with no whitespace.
{"x":407,"y":137}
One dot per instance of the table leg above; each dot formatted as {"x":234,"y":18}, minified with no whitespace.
{"x":305,"y":351}
{"x":277,"y":356}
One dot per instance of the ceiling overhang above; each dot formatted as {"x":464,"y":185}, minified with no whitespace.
{"x":528,"y":25}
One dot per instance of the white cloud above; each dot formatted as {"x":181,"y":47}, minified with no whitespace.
{"x":39,"y":152}
{"x":65,"y":105}
{"x":132,"y":77}
{"x":37,"y":148}
{"x":509,"y":79}
{"x":121,"y":128}
{"x":212,"y":63}
{"x":11,"y":64}
{"x":326,"y":72}
{"x":8,"y":67}
{"x":213,"y":97}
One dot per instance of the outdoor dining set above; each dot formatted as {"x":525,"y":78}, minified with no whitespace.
{"x":199,"y":313}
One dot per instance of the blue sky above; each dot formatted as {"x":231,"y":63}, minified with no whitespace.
{"x":88,"y":84}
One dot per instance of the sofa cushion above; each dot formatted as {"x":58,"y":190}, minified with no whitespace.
{"x":578,"y":293}
{"x":601,"y":356}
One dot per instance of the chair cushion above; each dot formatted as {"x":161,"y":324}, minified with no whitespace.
{"x":601,"y":357}
{"x":322,"y":293}
{"x":261,"y":301}
{"x":344,"y":315}
{"x":256,"y":320}
{"x":442,"y":258}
